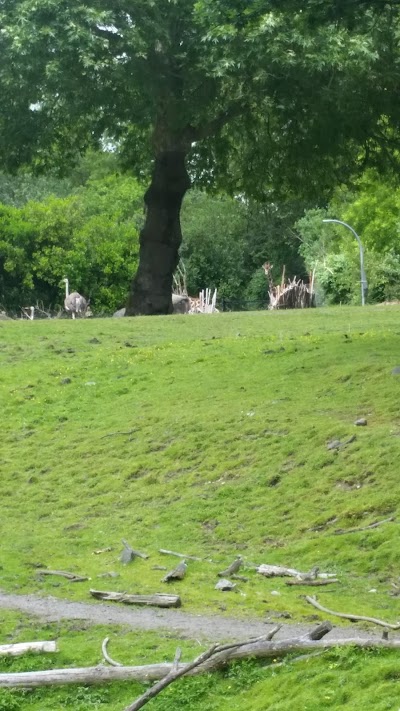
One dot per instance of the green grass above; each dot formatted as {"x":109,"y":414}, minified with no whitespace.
{"x":231,"y":415}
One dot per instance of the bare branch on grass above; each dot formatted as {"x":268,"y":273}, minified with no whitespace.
{"x":178,"y":555}
{"x":315,"y":583}
{"x":155,"y":600}
{"x":106,"y":655}
{"x":219,"y":657}
{"x":15,"y":650}
{"x":72,"y":577}
{"x":340,"y":531}
{"x":353,"y":618}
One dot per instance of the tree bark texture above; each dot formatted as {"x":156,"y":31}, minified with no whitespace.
{"x":155,"y":600}
{"x":161,"y":236}
{"x":15,"y":650}
{"x":153,"y":672}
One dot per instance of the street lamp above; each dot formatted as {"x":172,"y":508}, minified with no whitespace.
{"x":364,"y":283}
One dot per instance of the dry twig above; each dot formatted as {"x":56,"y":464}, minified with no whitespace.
{"x":106,"y":654}
{"x":174,"y":674}
{"x":353,"y":618}
{"x":306,"y":581}
{"x":178,"y":555}
{"x":340,"y":531}
{"x":73,"y":577}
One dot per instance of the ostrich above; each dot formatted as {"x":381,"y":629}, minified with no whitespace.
{"x":75,"y":303}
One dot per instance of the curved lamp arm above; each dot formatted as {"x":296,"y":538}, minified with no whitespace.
{"x":364,"y":283}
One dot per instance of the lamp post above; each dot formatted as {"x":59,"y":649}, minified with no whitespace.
{"x":364,"y":283}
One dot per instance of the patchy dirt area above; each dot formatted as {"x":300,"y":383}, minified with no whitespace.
{"x":182,"y":624}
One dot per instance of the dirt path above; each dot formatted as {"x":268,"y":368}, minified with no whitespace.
{"x":183,"y":624}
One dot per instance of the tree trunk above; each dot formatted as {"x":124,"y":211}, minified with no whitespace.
{"x":161,"y":236}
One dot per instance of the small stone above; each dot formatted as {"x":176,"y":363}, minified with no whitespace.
{"x":396,"y":370}
{"x":65,"y":381}
{"x":275,"y":592}
{"x":361,"y":422}
{"x":225,"y":585}
{"x":373,"y":590}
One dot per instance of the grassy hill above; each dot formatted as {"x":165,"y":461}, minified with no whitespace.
{"x":206,"y":435}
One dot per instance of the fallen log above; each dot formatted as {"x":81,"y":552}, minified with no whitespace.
{"x":341,"y":531}
{"x":259,"y":648}
{"x":178,"y":555}
{"x":156,"y":600}
{"x":306,"y":581}
{"x":73,"y":577}
{"x":15,"y":650}
{"x":275,"y":571}
{"x":280,"y":571}
{"x":174,"y":674}
{"x":354,"y":618}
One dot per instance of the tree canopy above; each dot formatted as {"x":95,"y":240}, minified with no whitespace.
{"x":259,"y":96}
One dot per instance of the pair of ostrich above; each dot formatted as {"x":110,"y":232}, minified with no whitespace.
{"x":74,"y":303}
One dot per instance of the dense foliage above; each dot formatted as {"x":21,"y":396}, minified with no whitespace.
{"x":372,"y":208}
{"x":90,"y":236}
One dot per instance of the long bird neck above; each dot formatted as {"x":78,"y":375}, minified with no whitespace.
{"x":66,"y":288}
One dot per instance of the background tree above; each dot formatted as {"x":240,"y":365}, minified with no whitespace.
{"x":372,"y":207}
{"x":255,"y":94}
{"x":90,"y":236}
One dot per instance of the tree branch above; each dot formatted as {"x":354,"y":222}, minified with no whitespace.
{"x":15,"y":650}
{"x":174,"y":674}
{"x":214,"y":126}
{"x":340,"y":531}
{"x":261,"y":649}
{"x":353,"y":618}
{"x":106,"y":656}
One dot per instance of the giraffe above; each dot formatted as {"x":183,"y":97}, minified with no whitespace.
{"x":267,"y":267}
{"x":204,"y":304}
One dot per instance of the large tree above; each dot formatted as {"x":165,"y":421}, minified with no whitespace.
{"x":258,"y":94}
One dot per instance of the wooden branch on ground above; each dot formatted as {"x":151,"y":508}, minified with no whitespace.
{"x":15,"y":650}
{"x":340,"y":531}
{"x":280,"y":571}
{"x":222,"y":655}
{"x":113,"y":434}
{"x":178,"y":555}
{"x":300,"y":658}
{"x":135,"y":554}
{"x":315,"y":583}
{"x":353,"y":618}
{"x":72,"y":577}
{"x":106,"y":655}
{"x":156,"y":600}
{"x":174,"y":674}
{"x":273,"y":571}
